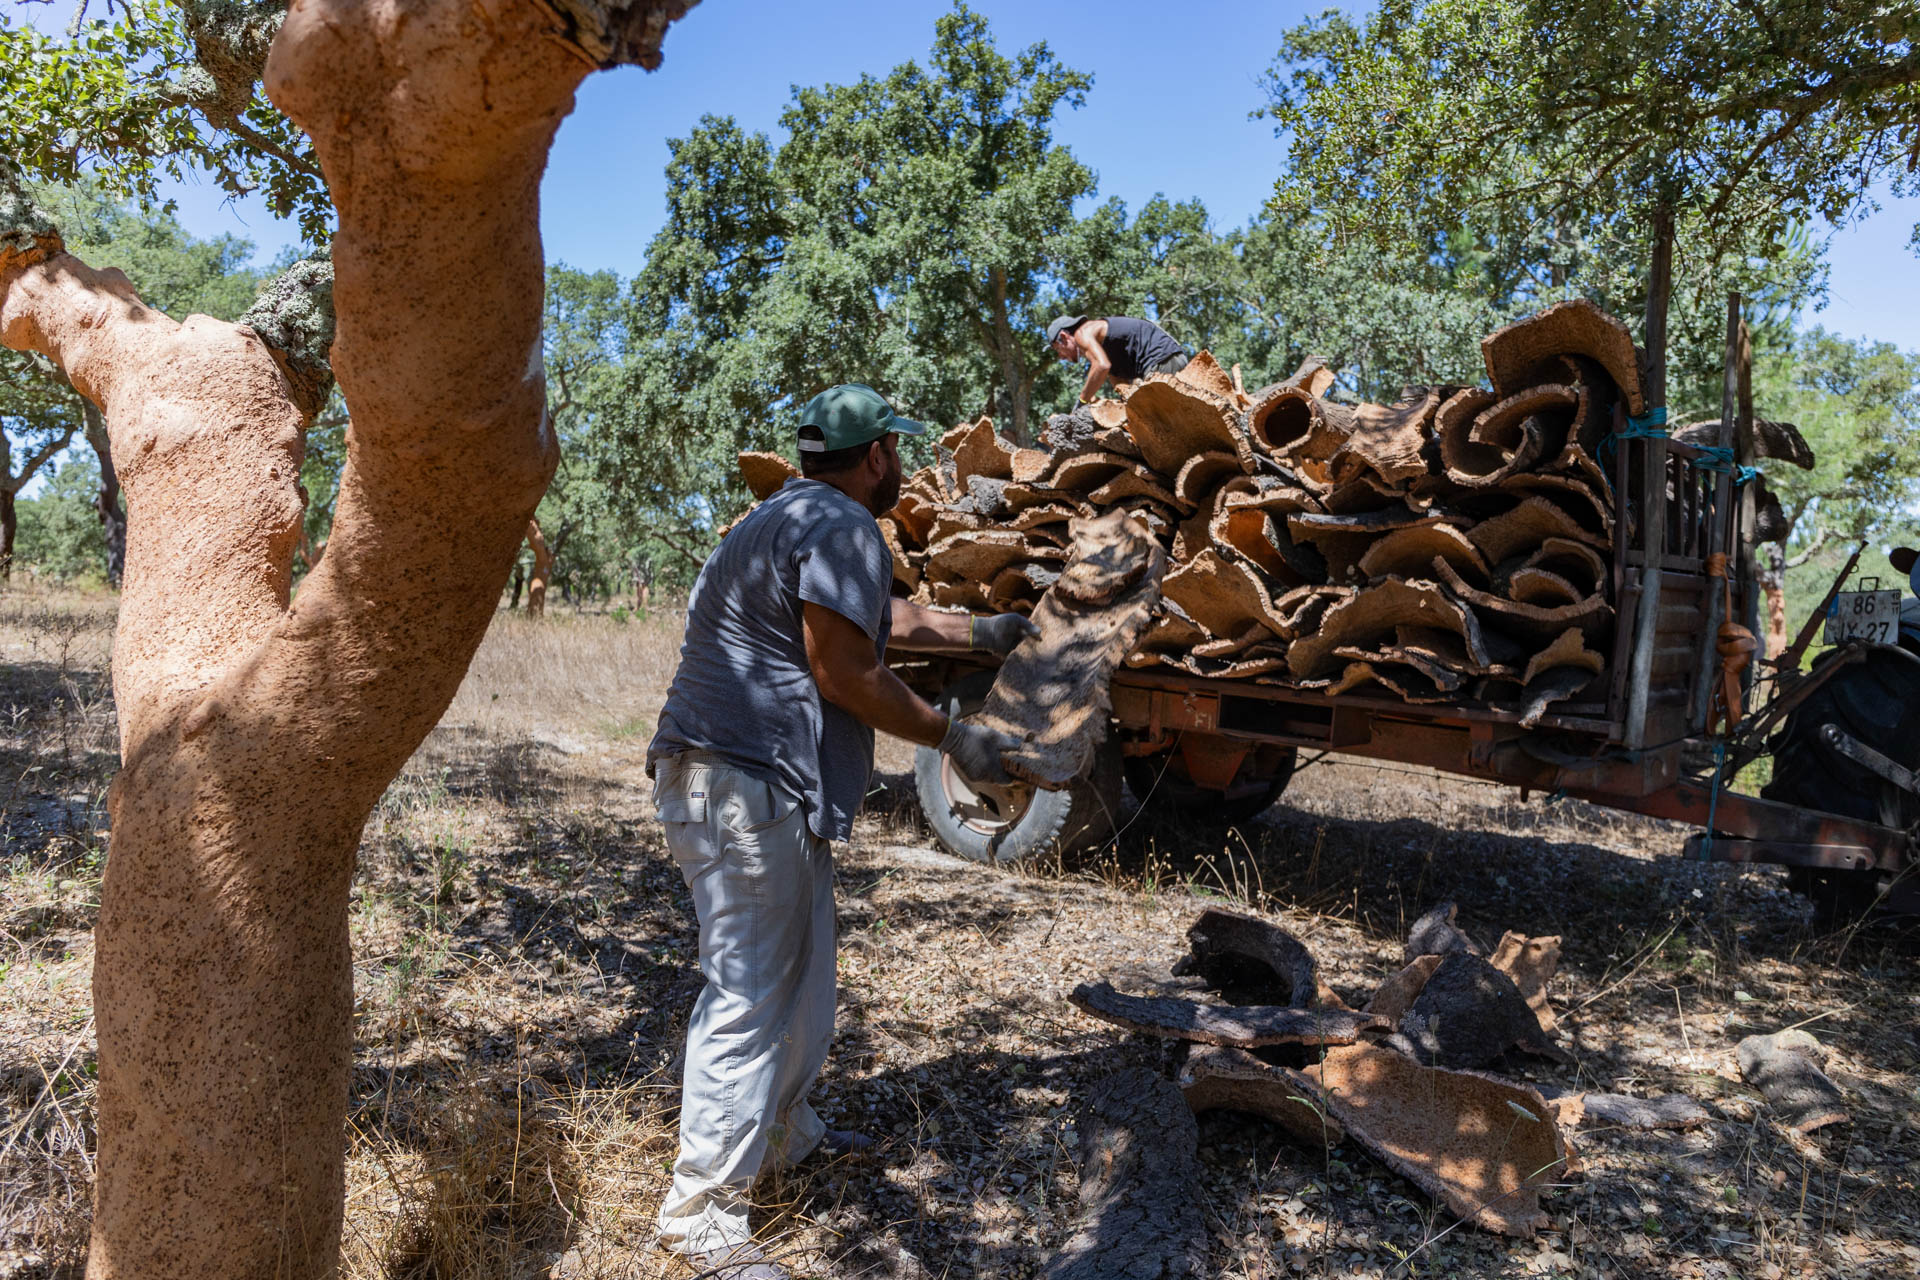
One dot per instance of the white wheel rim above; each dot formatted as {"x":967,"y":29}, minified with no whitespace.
{"x":988,"y":811}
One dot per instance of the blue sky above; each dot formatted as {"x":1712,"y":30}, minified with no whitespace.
{"x":1173,"y":86}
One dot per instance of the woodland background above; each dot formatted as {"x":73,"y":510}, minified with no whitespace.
{"x":1442,"y":168}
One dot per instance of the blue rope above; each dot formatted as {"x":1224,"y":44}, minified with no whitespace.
{"x":1713,"y":799}
{"x":1650,"y":425}
{"x":1714,"y":458}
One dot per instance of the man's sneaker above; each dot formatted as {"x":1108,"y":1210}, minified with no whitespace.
{"x":738,"y":1262}
{"x":839,"y":1143}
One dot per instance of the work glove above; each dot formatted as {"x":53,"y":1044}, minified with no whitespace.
{"x":1001,"y":633}
{"x":975,"y":751}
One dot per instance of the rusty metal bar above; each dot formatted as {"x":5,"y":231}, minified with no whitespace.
{"x":1837,"y":857}
{"x":1790,"y":660}
{"x":1744,"y":817}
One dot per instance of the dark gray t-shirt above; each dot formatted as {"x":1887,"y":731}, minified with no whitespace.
{"x":1136,"y":348}
{"x":744,"y":690}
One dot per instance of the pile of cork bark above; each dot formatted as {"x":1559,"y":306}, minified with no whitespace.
{"x":1451,"y":547}
{"x":1417,"y":1078}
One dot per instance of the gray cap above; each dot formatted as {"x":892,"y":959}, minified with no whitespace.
{"x":1062,"y":324}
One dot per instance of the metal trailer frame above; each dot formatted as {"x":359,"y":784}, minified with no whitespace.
{"x":1674,"y":504}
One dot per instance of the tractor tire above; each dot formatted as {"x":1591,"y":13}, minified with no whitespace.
{"x":1875,"y":701}
{"x":1161,"y":782}
{"x":1027,"y":821}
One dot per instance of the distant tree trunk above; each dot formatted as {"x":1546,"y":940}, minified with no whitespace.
{"x":542,"y":569}
{"x":311,"y":551}
{"x":9,"y":526}
{"x":642,"y":582}
{"x":1013,"y":369}
{"x":1773,"y":584}
{"x":519,"y":581}
{"x":113,"y":513}
{"x":259,"y":729}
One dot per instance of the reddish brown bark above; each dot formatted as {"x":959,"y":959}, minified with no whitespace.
{"x":542,"y":571}
{"x":1773,"y":586}
{"x":257,"y":734}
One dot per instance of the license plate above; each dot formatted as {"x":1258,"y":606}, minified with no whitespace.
{"x":1873,"y":616}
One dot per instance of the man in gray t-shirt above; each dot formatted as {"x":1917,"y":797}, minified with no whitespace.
{"x":762,"y":757}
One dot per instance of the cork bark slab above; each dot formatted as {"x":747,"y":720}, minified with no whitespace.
{"x":1785,"y":1066}
{"x":1221,"y":1078}
{"x":1515,"y":353}
{"x":1051,"y":693}
{"x":905,"y":571}
{"x":1204,"y":372}
{"x":1486,"y":1147}
{"x":1667,"y":1111}
{"x":1409,"y":553}
{"x":1345,"y":539}
{"x":978,"y":555}
{"x":764,"y":473}
{"x":1203,"y":474}
{"x":1390,"y":441}
{"x":1436,"y":934}
{"x":1223,"y":595}
{"x":1140,"y":1211}
{"x":1378,"y":611}
{"x":1249,"y":1026}
{"x":1223,"y":946}
{"x":1299,"y":428}
{"x":1254,"y":534}
{"x":1527,"y":622}
{"x":981,"y":452}
{"x":1171,"y":420}
{"x":1531,"y":963}
{"x":1468,"y":1014}
{"x":1392,"y":998}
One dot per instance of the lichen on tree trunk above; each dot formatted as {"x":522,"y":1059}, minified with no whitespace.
{"x":257,"y":733}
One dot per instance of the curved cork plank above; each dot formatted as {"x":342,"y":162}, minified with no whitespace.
{"x":1171,"y":420}
{"x":1389,"y":440}
{"x":1248,"y":1026}
{"x":1485,"y":1146}
{"x":1222,"y":944}
{"x":1221,"y":1078}
{"x":1051,"y":694}
{"x":764,"y":473}
{"x":1514,"y":354}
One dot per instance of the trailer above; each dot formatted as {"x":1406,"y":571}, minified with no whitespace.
{"x":1682,"y":712}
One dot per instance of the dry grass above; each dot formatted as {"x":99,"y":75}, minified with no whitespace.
{"x":524,"y":957}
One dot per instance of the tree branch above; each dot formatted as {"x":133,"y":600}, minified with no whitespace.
{"x":1819,"y":540}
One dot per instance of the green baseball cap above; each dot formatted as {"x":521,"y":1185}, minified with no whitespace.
{"x":851,"y":414}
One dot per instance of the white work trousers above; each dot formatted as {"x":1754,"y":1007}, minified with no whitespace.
{"x":763,"y":888}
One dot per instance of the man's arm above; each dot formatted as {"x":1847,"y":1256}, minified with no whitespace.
{"x":854,"y":679}
{"x":919,"y":629}
{"x":1089,"y":337}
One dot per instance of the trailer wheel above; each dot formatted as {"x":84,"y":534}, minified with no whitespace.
{"x":1162,"y":782}
{"x":1877,"y":702}
{"x":1023,"y":821}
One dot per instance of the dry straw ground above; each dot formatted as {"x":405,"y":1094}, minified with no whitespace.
{"x":525,"y":963}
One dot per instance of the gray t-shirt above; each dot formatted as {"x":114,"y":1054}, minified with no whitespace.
{"x":744,"y":690}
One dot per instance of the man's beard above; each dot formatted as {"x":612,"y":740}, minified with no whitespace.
{"x":886,"y":496}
